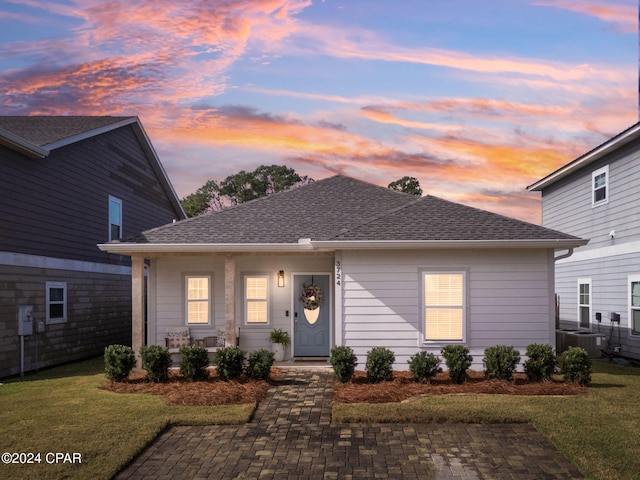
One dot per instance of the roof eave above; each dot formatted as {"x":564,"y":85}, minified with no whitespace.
{"x":612,"y":144}
{"x":20,"y":145}
{"x":132,"y":248}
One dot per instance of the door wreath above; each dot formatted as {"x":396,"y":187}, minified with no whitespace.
{"x":311,"y":296}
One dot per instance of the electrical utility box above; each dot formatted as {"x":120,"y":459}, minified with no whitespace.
{"x":25,"y":320}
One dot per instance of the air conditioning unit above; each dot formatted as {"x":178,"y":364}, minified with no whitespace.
{"x":592,"y":342}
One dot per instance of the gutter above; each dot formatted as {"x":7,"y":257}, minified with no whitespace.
{"x":564,"y":255}
{"x":20,"y":145}
{"x":130,"y":248}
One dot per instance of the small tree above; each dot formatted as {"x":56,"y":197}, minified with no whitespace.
{"x":379,"y":362}
{"x":344,"y":363}
{"x":458,"y":362}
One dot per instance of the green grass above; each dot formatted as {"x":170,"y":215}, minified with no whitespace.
{"x":62,"y":410}
{"x":598,"y":431}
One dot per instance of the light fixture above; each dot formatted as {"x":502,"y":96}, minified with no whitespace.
{"x":281,"y":278}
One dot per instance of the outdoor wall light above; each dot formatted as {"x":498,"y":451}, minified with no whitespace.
{"x":281,"y":278}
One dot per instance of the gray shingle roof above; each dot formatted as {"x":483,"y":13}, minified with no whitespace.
{"x":44,"y":130}
{"x":344,"y":209}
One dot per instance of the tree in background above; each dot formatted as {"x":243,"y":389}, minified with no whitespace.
{"x":242,"y":187}
{"x":407,"y":185}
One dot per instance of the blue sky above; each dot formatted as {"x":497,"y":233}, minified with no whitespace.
{"x":475,"y":99}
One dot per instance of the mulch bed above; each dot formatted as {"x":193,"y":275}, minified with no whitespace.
{"x":179,"y":391}
{"x":403,"y":387}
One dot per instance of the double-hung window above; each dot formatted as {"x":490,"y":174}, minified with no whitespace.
{"x":634,"y":303}
{"x":444,"y":306}
{"x":256,"y":299}
{"x":198,"y":299}
{"x":115,"y":218}
{"x":56,"y":302}
{"x":584,"y":302}
{"x":600,"y":186}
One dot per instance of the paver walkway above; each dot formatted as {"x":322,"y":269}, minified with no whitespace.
{"x":291,"y":438}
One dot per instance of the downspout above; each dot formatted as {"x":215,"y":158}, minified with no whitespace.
{"x":557,"y":298}
{"x":564,"y":255}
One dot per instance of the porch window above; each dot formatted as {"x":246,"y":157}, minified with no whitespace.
{"x":584,"y":302}
{"x":634,"y":293}
{"x":56,"y":302}
{"x":115,"y":218}
{"x":444,"y":310}
{"x":198,"y":299}
{"x":600,"y":182}
{"x":256,"y":299}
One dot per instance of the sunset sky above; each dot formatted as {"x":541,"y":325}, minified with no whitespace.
{"x":475,"y":98}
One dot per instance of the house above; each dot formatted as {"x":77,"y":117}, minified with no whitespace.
{"x":67,"y":184}
{"x":343,"y":262}
{"x":596,"y":196}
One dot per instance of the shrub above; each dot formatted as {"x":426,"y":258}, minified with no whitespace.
{"x":156,"y":360}
{"x":344,"y":363}
{"x":194,"y":362}
{"x":458,"y":361}
{"x":379,"y":362}
{"x":576,"y":365}
{"x":424,"y":366}
{"x":229,"y":362}
{"x":260,"y":362}
{"x":119,"y":360}
{"x":541,"y":363}
{"x":501,"y":361}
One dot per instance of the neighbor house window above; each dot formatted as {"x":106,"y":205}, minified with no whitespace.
{"x":634,"y":304}
{"x":584,"y":302}
{"x":115,"y":218}
{"x":444,"y":311}
{"x":56,"y":302}
{"x":198,"y":299}
{"x":256,"y":294}
{"x":600,"y":182}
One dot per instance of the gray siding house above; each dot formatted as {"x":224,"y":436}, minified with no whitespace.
{"x":67,"y":184}
{"x":343,"y":262}
{"x":597,"y":196}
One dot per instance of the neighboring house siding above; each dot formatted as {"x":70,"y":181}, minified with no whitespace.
{"x":382,"y":301}
{"x":607,"y":261}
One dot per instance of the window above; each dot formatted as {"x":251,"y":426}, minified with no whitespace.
{"x":56,"y":302}
{"x":444,"y":310}
{"x":115,"y":218}
{"x":256,"y":294}
{"x":634,"y":304}
{"x":584,"y":302}
{"x":198,"y":299}
{"x":600,"y":182}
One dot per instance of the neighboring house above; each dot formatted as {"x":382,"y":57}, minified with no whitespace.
{"x":343,"y":262}
{"x":67,"y":184}
{"x":597,"y":196}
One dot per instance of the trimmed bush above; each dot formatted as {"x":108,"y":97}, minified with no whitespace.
{"x":229,"y":363}
{"x":156,"y":360}
{"x":576,"y":366}
{"x":260,"y":362}
{"x":379,"y":362}
{"x":194,"y":362}
{"x":541,"y":363}
{"x":119,"y":361}
{"x":458,"y":361}
{"x":344,"y":363}
{"x":424,"y":366}
{"x":501,"y":361}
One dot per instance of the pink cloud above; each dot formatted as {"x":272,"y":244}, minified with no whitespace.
{"x":623,"y":16}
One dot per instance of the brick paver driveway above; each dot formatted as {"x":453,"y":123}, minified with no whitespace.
{"x":291,"y":438}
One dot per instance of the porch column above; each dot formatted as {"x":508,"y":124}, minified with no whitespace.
{"x":230,"y":299}
{"x":137,"y":306}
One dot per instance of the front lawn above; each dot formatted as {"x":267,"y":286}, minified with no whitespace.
{"x":62,"y":410}
{"x":597,"y":431}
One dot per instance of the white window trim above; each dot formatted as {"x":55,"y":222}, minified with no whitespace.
{"x":630,"y":279}
{"x":247,"y":300}
{"x":119,"y":202}
{"x":50,"y":285}
{"x":585,"y":281}
{"x":594,"y":174}
{"x":423,"y":274}
{"x":186,"y":299}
